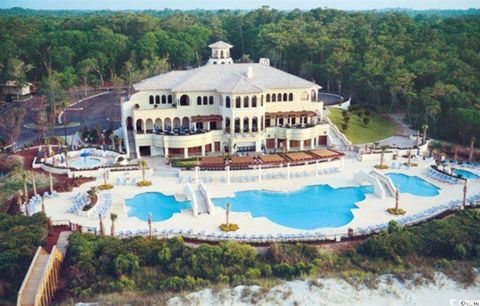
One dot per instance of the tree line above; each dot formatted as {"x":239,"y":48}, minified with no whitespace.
{"x":426,"y":65}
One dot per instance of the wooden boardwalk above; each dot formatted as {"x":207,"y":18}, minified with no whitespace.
{"x":41,"y":281}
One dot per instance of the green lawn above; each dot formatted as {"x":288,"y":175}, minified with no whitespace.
{"x":378,"y":128}
{"x":184,"y":163}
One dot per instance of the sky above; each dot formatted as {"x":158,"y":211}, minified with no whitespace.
{"x":238,"y":4}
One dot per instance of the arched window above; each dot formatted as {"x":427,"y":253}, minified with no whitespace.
{"x":290,"y":97}
{"x":164,"y":99}
{"x":268,"y":97}
{"x":227,"y":102}
{"x":185,"y":123}
{"x":184,"y":100}
{"x":285,"y":97}
{"x":199,"y":100}
{"x":150,"y":100}
{"x":314,"y":95}
{"x":149,"y":125}
{"x":157,"y":99}
{"x":254,"y":124}
{"x":279,"y":97}
{"x":237,"y":125}
{"x":246,"y":128}
{"x":227,"y":125}
{"x":254,"y":101}
{"x":168,"y":124}
{"x":170,"y":99}
{"x":210,"y":100}
{"x":245,"y":102}
{"x":139,"y":125}
{"x":176,"y":123}
{"x":221,"y":54}
{"x":205,"y":100}
{"x":274,"y":98}
{"x":158,"y":124}
{"x":238,"y":102}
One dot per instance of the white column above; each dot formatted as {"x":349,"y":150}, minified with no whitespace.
{"x":258,"y":146}
{"x":287,"y":144}
{"x":259,"y":173}
{"x":227,"y":170}
{"x":301,"y":145}
{"x":288,"y":171}
{"x":208,"y":126}
{"x":185,"y":152}
{"x":212,"y":145}
{"x":241,"y":125}
{"x":165,"y":151}
{"x":203,"y":150}
{"x":312,"y":143}
{"x":137,"y":150}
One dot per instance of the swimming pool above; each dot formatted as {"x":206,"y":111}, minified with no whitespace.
{"x":413,"y":185}
{"x":466,"y":174}
{"x":85,"y":162}
{"x":309,"y":208}
{"x":161,"y":206}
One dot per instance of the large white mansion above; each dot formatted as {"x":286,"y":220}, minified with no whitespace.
{"x":223,"y":107}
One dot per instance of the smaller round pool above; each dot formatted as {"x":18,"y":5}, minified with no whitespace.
{"x":413,"y":185}
{"x":85,"y":162}
{"x":161,"y":206}
{"x":466,"y":174}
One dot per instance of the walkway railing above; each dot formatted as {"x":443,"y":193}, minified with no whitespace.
{"x":41,"y":280}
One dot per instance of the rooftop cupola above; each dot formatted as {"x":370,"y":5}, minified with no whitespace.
{"x":220,"y":53}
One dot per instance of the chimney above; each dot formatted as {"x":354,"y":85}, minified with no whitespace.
{"x":250,"y":72}
{"x":264,"y":61}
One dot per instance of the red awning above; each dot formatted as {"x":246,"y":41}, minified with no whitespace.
{"x":206,"y":118}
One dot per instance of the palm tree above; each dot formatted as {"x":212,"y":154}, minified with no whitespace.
{"x":397,"y":199}
{"x":424,"y":128}
{"x":65,"y":151}
{"x":102,"y":229}
{"x":20,"y":202}
{"x":105,"y":176}
{"x":24,"y":176}
{"x":409,"y":157}
{"x":34,"y":183}
{"x":113,"y":218}
{"x":472,"y":144}
{"x":382,"y":155}
{"x":227,"y":215}
{"x":143,"y":165}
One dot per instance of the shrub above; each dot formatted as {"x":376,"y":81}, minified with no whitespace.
{"x":144,"y":183}
{"x":381,"y":167}
{"x":230,"y":228}
{"x":366,"y":120}
{"x":460,"y":251}
{"x":126,"y":264}
{"x":344,"y":127}
{"x":396,"y":212}
{"x":105,"y":187}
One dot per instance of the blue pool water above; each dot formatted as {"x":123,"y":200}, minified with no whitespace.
{"x":466,"y":174}
{"x":312,"y":207}
{"x":85,"y":162}
{"x":161,"y":206}
{"x":413,"y":185}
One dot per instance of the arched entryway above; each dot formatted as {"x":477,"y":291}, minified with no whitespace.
{"x":184,"y":100}
{"x":129,"y":123}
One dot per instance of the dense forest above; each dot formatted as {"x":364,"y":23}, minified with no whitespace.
{"x":427,"y":65}
{"x":107,"y":264}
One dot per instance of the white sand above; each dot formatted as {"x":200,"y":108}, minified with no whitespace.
{"x":328,"y":291}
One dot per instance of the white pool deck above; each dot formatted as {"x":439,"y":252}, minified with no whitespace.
{"x":371,"y":211}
